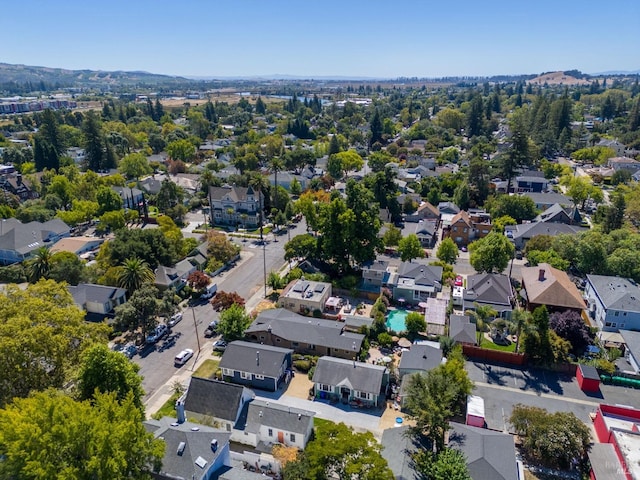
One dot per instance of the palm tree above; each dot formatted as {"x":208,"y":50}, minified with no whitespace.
{"x":40,"y":265}
{"x":519,"y":322}
{"x":133,"y":273}
{"x":482,"y":315}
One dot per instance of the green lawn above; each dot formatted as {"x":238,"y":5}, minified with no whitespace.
{"x":207,"y":369}
{"x":168,"y":409}
{"x":488,"y":344}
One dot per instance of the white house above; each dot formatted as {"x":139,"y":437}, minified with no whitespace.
{"x":613,"y":302}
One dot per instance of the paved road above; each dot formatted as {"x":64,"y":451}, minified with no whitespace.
{"x":246,"y":278}
{"x":503,"y":387}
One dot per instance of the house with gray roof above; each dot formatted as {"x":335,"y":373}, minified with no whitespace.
{"x":269,"y":423}
{"x":350,"y":382}
{"x":99,"y":300}
{"x":415,"y":282}
{"x":151,"y":184}
{"x":461,"y":330}
{"x":397,"y":449}
{"x":310,"y":336}
{"x":448,"y":207}
{"x":173,"y":277}
{"x":530,"y":183}
{"x":490,"y":289}
{"x":545,"y":200}
{"x":613,"y":302}
{"x":522,"y":233}
{"x":374,"y":274}
{"x":632,"y":349}
{"x":256,"y":366}
{"x":231,"y":205}
{"x":558,"y":214}
{"x":490,"y":455}
{"x":191,"y":450}
{"x":131,"y":197}
{"x":212,"y":400}
{"x":18,"y":241}
{"x":426,"y":231}
{"x":419,"y":359}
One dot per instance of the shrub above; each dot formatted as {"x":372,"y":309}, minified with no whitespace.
{"x":302,"y":365}
{"x":317,"y":313}
{"x":384,"y":339}
{"x":312,"y":370}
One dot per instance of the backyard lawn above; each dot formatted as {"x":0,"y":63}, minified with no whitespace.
{"x":207,"y":369}
{"x":488,"y":344}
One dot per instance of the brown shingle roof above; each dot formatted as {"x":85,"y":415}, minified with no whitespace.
{"x":555,"y":289}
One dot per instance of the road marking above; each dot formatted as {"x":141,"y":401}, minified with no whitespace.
{"x":543,"y":395}
{"x":515,"y":381}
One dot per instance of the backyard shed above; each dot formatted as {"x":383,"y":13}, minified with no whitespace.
{"x":588,"y":378}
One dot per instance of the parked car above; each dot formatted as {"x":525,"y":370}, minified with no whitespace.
{"x":220,"y":346}
{"x":183,"y":357}
{"x":175,"y":319}
{"x":158,"y":332}
{"x":210,"y":331}
{"x":458,"y":282}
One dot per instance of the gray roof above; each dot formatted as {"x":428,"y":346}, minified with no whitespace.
{"x":237,"y":194}
{"x":531,"y":179}
{"x":530,"y":230}
{"x":255,"y":358}
{"x":89,"y":292}
{"x":197,"y":439}
{"x":26,"y":237}
{"x":420,"y":357}
{"x":421,"y":273}
{"x":448,"y":207}
{"x":461,"y":329}
{"x":556,"y":213}
{"x":151,"y":184}
{"x":213,"y":398}
{"x":279,"y":416}
{"x":490,"y":455}
{"x":548,"y":198}
{"x":489,"y":288}
{"x":237,"y":473}
{"x":297,"y":328}
{"x":126,"y":192}
{"x":616,"y":293}
{"x":605,"y":463}
{"x":397,"y":448}
{"x":376,"y":265}
{"x":359,"y":376}
{"x":632,"y":341}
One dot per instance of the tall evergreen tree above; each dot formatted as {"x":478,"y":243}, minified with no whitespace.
{"x":474,"y":117}
{"x":376,"y":128}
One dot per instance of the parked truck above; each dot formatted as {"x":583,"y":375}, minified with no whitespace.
{"x":211,"y":290}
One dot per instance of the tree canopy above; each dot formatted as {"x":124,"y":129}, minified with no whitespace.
{"x":491,"y":253}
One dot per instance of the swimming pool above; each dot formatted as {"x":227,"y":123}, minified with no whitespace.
{"x":395,"y":320}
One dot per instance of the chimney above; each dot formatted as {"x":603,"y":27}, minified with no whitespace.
{"x":258,"y":358}
{"x":19,"y":179}
{"x":541,"y":275}
{"x":180,"y":410}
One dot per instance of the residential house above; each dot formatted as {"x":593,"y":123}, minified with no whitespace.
{"x":448,"y":207}
{"x":545,"y":200}
{"x":77,"y":154}
{"x":613,"y":302}
{"x":191,"y":450}
{"x":617,"y":425}
{"x":426,"y":231}
{"x":490,"y":289}
{"x":490,"y":455}
{"x":234,"y":206}
{"x":212,"y":400}
{"x":605,"y":464}
{"x":545,"y":285}
{"x":531,"y":183}
{"x":522,"y":233}
{"x":132,"y":198}
{"x":374,"y":274}
{"x":466,"y":227}
{"x":305,"y":296}
{"x":269,"y":423}
{"x":559,"y":214}
{"x":286,"y":178}
{"x":632,"y":349}
{"x":173,"y":277}
{"x":615,"y":145}
{"x":14,"y":184}
{"x":97,"y":300}
{"x":624,"y":163}
{"x":350,"y":382}
{"x":425,"y":211}
{"x":435,"y":314}
{"x":256,"y":366}
{"x":152,"y":184}
{"x":420,"y":358}
{"x":415,"y":282}
{"x":310,"y":336}
{"x":19,"y":240}
{"x":398,"y":448}
{"x":77,"y":245}
{"x":461,"y":330}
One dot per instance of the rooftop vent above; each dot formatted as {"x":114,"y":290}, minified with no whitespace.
{"x":181,"y":447}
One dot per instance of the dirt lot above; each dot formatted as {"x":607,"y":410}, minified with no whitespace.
{"x":299,"y":386}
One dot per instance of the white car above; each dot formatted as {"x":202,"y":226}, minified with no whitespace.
{"x":183,"y":357}
{"x":175,"y":319}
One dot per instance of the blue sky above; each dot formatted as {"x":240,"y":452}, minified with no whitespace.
{"x":368,"y":38}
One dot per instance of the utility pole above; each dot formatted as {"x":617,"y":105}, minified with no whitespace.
{"x":195,"y":326}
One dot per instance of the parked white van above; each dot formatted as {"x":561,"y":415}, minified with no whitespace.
{"x":183,"y":357}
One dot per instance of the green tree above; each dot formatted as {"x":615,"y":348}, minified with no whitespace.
{"x":149,"y":245}
{"x":36,"y":326}
{"x":376,"y":128}
{"x":555,"y":439}
{"x":233,"y":322}
{"x":99,"y":153}
{"x":40,"y":265}
{"x":415,"y":323}
{"x":481,"y":315}
{"x":537,"y":341}
{"x":108,"y":199}
{"x":392,"y":236}
{"x":410,"y":247}
{"x":522,"y":151}
{"x":518,"y":207}
{"x":182,"y":150}
{"x":140,"y":311}
{"x":66,"y":267}
{"x":80,"y":440}
{"x":104,"y":371}
{"x":449,"y":464}
{"x":491,"y":253}
{"x":133,"y":273}
{"x":448,"y":251}
{"x":300,"y":247}
{"x":342,"y":163}
{"x":339,"y":452}
{"x":134,"y":165}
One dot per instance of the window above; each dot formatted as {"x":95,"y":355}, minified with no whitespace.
{"x":270,"y":432}
{"x":616,"y":314}
{"x":312,"y":346}
{"x":325,"y":388}
{"x":294,"y":344}
{"x":261,"y":337}
{"x":364,"y":395}
{"x":622,"y":325}
{"x":278,"y":340}
{"x":258,"y":377}
{"x":465,"y":230}
{"x":608,"y":324}
{"x":614,"y":324}
{"x":245,"y":375}
{"x":292,"y":437}
{"x":227,"y":372}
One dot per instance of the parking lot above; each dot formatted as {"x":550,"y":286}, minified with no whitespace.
{"x":503,"y":387}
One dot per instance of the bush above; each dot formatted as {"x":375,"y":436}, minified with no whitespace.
{"x":384,"y":339}
{"x":317,"y":313}
{"x":312,"y":370}
{"x":347,"y":282}
{"x":302,"y":365}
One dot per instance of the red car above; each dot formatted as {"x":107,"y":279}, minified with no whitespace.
{"x":458,"y":282}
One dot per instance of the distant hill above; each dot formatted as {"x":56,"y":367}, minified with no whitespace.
{"x":558,"y":78}
{"x":23,"y":74}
